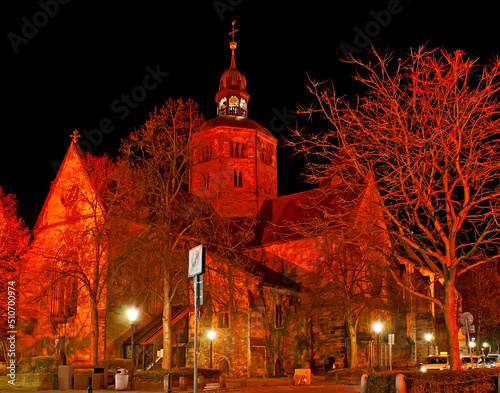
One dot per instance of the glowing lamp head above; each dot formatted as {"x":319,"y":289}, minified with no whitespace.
{"x":428,"y":337}
{"x":211,"y":334}
{"x":132,"y":315}
{"x":377,"y":327}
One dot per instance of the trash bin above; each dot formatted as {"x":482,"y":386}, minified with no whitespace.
{"x":121,"y":379}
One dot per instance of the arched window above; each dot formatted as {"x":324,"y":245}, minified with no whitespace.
{"x":237,"y":179}
{"x":206,"y":181}
{"x":206,"y":153}
{"x":233,"y":105}
{"x":222,"y":106}
{"x":237,"y":149}
{"x":243,"y":106}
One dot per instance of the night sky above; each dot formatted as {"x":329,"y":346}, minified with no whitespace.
{"x":69,"y":64}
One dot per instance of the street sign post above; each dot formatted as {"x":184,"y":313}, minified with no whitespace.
{"x":390,"y":341}
{"x":196,"y":268}
{"x":466,"y":319}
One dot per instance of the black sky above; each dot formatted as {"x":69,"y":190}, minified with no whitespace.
{"x":70,"y":72}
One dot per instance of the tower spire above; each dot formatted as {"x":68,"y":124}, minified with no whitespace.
{"x":233,"y":45}
{"x":232,"y":98}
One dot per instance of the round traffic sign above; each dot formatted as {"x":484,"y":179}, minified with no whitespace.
{"x":466,"y":316}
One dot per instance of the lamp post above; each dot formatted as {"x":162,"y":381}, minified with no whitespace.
{"x":378,"y":327}
{"x":132,"y":317}
{"x":211,"y":336}
{"x":485,"y":348}
{"x":428,"y":337}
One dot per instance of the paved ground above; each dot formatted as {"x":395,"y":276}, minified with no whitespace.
{"x":254,"y":385}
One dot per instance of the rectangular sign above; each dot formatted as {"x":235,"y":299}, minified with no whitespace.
{"x":196,"y":261}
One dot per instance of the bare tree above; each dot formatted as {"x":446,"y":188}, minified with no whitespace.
{"x":424,"y":141}
{"x":171,"y":219}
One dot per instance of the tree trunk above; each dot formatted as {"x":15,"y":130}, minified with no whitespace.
{"x":353,"y":344}
{"x":94,"y":331}
{"x":450,"y":320}
{"x":167,"y":328}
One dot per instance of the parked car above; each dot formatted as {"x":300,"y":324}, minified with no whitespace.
{"x":492,"y":360}
{"x":477,"y":362}
{"x":435,"y":362}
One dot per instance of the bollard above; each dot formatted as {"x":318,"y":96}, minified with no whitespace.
{"x":201,"y":382}
{"x":89,"y":389}
{"x":243,"y":381}
{"x":364,"y":383}
{"x":264,"y":380}
{"x":290,"y":380}
{"x":400,"y":383}
{"x":166,"y":384}
{"x":182,"y":383}
{"x":222,"y":381}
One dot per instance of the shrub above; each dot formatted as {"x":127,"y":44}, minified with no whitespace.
{"x":345,"y":373}
{"x":157,"y":375}
{"x":443,"y":381}
{"x":38,"y":365}
{"x":115,"y":364}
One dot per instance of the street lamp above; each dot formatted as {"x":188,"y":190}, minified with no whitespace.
{"x":132,"y":317}
{"x":211,"y":336}
{"x":378,"y":327}
{"x":428,"y":337}
{"x":485,"y":348}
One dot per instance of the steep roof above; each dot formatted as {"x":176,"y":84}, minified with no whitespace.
{"x":234,"y":122}
{"x":277,"y":216}
{"x":72,"y":167}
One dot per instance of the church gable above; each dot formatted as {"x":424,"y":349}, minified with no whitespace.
{"x":71,"y":193}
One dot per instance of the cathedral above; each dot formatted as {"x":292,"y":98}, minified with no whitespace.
{"x":267,"y":329}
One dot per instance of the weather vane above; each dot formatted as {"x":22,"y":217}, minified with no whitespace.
{"x":232,"y":44}
{"x":75,"y":136}
{"x":233,"y":31}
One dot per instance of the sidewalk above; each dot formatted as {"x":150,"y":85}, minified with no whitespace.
{"x":233,"y":385}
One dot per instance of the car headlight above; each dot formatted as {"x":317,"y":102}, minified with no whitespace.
{"x":423,"y":369}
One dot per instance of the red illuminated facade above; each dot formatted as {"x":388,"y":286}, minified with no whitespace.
{"x":235,"y":168}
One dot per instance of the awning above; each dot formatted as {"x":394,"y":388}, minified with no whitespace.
{"x":178,"y":313}
{"x":147,"y":334}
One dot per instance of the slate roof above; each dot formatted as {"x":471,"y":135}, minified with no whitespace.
{"x":277,"y":215}
{"x":234,"y":121}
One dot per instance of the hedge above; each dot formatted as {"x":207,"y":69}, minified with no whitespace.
{"x":439,"y":381}
{"x":157,"y":375}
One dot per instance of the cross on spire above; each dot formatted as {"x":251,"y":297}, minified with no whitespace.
{"x":232,"y":44}
{"x":233,"y":31}
{"x":75,"y":136}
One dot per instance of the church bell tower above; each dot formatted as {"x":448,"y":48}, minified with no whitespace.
{"x":234,"y":158}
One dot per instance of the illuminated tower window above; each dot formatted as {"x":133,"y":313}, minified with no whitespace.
{"x":222,"y":106}
{"x":233,"y":105}
{"x":243,"y":106}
